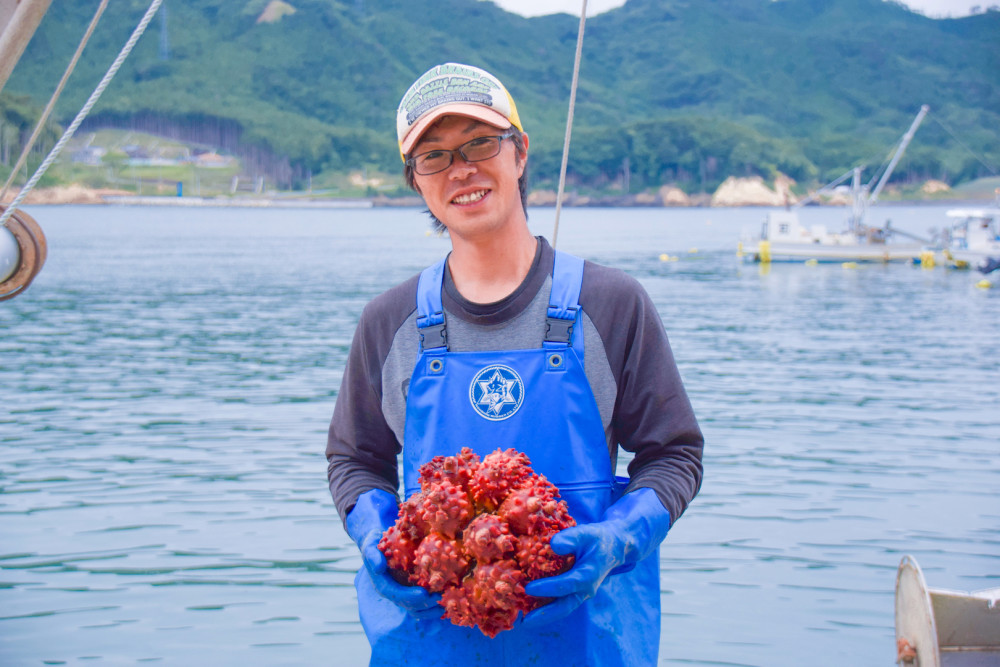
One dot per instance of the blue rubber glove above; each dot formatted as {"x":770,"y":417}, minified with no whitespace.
{"x":373,"y":514}
{"x":630,"y":530}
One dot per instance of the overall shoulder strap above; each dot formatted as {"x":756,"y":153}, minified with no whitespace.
{"x":564,"y":300}
{"x":430,"y":312}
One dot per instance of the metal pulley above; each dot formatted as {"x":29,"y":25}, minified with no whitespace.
{"x":23,"y":250}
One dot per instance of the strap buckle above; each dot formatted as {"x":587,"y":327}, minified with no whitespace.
{"x":433,"y":336}
{"x":558,"y":330}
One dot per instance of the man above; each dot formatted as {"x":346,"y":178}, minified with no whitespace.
{"x":585,"y":367}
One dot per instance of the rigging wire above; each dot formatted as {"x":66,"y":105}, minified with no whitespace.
{"x":52,"y":101}
{"x":96,"y":95}
{"x":877,"y":174}
{"x":569,"y":121}
{"x":982,"y":160}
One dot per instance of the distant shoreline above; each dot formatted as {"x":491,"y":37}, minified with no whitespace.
{"x":236,"y":202}
{"x":80,"y":195}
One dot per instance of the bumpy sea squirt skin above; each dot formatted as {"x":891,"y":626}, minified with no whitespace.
{"x":445,"y":508}
{"x":439,"y":563}
{"x":487,"y":538}
{"x":534,"y":508}
{"x":477,"y":532}
{"x":457,"y":469}
{"x":499,"y":473}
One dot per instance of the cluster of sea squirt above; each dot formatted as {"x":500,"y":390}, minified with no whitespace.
{"x":477,"y":532}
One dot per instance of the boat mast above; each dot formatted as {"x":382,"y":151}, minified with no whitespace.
{"x":899,"y":153}
{"x":859,"y":203}
{"x":860,"y":199}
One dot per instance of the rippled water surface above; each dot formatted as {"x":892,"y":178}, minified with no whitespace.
{"x":168,"y":379}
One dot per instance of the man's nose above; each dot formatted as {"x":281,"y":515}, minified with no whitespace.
{"x":460,"y":167}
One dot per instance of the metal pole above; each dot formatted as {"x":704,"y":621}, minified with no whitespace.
{"x":17,"y":25}
{"x":569,"y":121}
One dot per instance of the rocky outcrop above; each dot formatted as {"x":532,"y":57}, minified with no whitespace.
{"x":544,"y":198}
{"x":933,"y":187}
{"x":753,"y":191}
{"x":673,"y":196}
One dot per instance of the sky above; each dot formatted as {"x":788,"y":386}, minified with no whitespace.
{"x":932,"y":8}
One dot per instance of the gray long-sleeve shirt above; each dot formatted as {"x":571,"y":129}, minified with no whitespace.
{"x":627,"y":359}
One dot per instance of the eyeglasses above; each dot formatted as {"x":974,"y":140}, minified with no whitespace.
{"x":476,"y":150}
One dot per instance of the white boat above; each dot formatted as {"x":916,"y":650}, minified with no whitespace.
{"x":973,"y":239}
{"x":937,"y":627}
{"x":783,"y":238}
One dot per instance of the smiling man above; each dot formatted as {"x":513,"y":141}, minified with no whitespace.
{"x":506,"y":343}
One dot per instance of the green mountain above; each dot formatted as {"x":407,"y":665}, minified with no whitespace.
{"x":685,"y":91}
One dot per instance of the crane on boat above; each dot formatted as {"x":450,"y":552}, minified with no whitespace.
{"x":784,"y":238}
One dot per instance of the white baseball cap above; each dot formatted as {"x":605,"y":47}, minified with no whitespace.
{"x":453,"y":89}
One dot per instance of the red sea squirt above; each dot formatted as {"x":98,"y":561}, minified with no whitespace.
{"x":487,"y":538}
{"x":457,"y":469}
{"x":445,"y":508}
{"x":439,"y":563}
{"x":499,"y":473}
{"x":477,"y":532}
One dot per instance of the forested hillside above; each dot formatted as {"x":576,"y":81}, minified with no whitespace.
{"x":671,"y":91}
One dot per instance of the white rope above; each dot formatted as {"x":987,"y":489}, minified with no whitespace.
{"x":569,"y":121}
{"x":96,"y":95}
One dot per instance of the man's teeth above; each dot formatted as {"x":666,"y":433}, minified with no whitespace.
{"x":469,"y":198}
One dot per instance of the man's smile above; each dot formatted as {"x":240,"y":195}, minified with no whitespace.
{"x":469,"y":197}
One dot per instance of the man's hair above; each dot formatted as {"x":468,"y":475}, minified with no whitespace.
{"x":517,"y":138}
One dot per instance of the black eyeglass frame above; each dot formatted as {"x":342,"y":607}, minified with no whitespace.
{"x":412,"y":160}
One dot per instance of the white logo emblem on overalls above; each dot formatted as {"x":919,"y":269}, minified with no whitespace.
{"x":496,"y":392}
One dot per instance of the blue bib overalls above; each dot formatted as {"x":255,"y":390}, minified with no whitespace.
{"x":537,"y":401}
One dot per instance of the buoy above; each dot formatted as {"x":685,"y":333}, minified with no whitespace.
{"x":10,"y":254}
{"x":812,"y":262}
{"x":764,"y":248}
{"x":739,"y":249}
{"x":664,"y":257}
{"x":927,"y":259}
{"x":692,"y":250}
{"x":984,"y":284}
{"x":849,"y":265}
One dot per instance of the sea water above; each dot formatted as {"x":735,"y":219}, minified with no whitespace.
{"x":167,"y":381}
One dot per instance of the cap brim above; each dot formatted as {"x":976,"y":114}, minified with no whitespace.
{"x":475,"y":111}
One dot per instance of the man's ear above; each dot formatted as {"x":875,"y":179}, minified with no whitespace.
{"x":523,"y":157}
